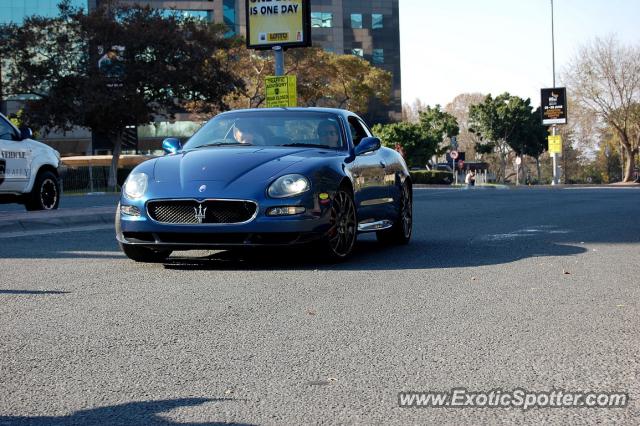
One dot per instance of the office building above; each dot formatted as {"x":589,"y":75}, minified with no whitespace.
{"x":14,"y":11}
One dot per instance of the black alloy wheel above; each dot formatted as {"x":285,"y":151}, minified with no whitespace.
{"x":400,"y":232}
{"x":342,"y":235}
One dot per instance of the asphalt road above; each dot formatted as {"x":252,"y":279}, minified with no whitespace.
{"x":533,"y":289}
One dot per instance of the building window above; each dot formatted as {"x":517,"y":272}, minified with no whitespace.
{"x":229,"y":16}
{"x":321,"y":20}
{"x":378,"y":56}
{"x":376,"y":21}
{"x":357,"y":52}
{"x":356,"y":20}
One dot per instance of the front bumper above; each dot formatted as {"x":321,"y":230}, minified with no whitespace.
{"x":262,"y":230}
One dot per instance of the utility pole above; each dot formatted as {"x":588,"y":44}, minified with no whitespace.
{"x":554,"y":127}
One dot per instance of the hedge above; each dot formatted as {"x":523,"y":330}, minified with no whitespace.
{"x":432,"y":177}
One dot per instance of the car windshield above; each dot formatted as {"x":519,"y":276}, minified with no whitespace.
{"x":270,"y":128}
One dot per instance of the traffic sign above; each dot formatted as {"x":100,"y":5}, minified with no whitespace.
{"x":518,"y":161}
{"x":555,"y":144}
{"x":281,"y":91}
{"x":453,"y":154}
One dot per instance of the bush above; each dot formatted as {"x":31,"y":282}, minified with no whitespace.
{"x":432,"y":177}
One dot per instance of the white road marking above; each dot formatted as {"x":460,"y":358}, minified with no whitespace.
{"x":521,"y":233}
{"x":602,"y":187}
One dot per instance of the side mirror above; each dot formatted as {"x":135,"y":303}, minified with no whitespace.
{"x":25,"y":133}
{"x":171,"y":145}
{"x":367,"y":145}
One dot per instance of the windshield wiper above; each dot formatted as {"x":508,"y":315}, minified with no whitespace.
{"x":223,"y":143}
{"x":308,"y":145}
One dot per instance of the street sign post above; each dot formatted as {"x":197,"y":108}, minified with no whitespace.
{"x":454,"y":155}
{"x":518,"y":162}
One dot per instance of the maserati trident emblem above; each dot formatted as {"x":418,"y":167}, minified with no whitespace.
{"x":200,"y":213}
{"x":202,"y":188}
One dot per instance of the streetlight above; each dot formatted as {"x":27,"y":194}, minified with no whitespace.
{"x":553,"y":127}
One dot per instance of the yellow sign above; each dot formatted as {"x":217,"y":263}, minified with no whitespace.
{"x":281,"y":91}
{"x":555,"y":144}
{"x":284,"y":23}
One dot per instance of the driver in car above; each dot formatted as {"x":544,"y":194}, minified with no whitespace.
{"x":244,"y":132}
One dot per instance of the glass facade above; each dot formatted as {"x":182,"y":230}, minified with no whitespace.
{"x":14,"y":11}
{"x":321,"y":20}
{"x":229,"y":14}
{"x":377,"y":56}
{"x":376,"y":21}
{"x":356,"y":20}
{"x":204,"y":15}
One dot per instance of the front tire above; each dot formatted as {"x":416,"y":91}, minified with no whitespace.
{"x":341,"y":237}
{"x":137,"y":253}
{"x":400,"y":232}
{"x":45,"y":194}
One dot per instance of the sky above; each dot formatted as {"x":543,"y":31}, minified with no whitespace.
{"x":449,"y":47}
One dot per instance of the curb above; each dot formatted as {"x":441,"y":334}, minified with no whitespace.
{"x":42,"y":220}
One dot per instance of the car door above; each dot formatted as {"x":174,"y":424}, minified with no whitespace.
{"x":15,"y":159}
{"x":371,"y":191}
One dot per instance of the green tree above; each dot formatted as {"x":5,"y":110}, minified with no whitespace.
{"x":115,"y":67}
{"x":418,"y":146}
{"x":420,"y":141}
{"x":504,"y":123}
{"x":438,"y":123}
{"x":324,"y":79}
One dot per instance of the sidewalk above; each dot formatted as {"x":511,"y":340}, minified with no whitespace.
{"x":12,"y":222}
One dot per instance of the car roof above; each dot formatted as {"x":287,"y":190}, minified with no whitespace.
{"x":338,"y":111}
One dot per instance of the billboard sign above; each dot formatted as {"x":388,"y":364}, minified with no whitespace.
{"x":554,"y":106}
{"x":111,"y":64}
{"x":285,"y":23}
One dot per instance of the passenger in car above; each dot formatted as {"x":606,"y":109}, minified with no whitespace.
{"x":329,"y":133}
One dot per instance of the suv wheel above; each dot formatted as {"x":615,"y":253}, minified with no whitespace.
{"x":45,"y":194}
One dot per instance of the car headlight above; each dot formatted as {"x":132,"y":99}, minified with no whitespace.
{"x":136,"y":185}
{"x":288,"y":186}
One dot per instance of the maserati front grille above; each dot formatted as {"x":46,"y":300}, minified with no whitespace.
{"x":192,"y":212}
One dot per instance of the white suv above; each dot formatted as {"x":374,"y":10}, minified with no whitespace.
{"x":28,"y":169}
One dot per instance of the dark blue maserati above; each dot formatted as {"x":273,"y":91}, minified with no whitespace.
{"x":267,"y":177}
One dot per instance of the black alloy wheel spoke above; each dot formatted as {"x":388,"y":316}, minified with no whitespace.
{"x":344,"y":224}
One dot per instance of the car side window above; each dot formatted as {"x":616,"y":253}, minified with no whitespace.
{"x":7,"y":132}
{"x":366,"y":128}
{"x":357,"y":130}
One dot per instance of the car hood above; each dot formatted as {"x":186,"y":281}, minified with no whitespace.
{"x":230,"y":165}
